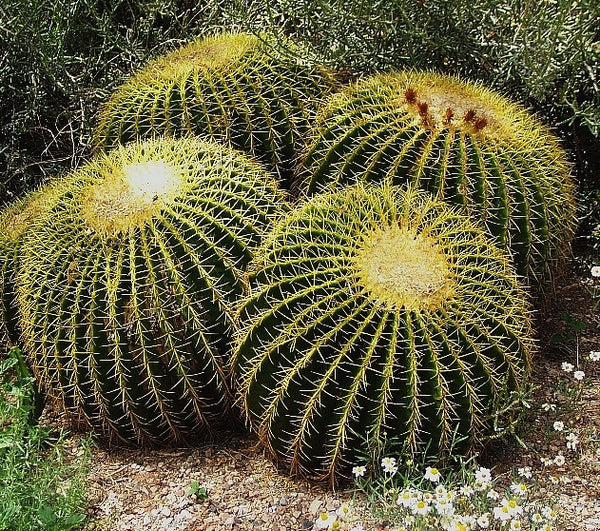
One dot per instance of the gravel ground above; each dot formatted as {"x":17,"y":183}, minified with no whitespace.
{"x":149,"y":489}
{"x":131,"y":490}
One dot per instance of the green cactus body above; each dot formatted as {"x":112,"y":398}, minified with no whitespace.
{"x":460,"y":142}
{"x":232,"y":87}
{"x":126,"y":285}
{"x":15,"y":221}
{"x":378,"y":311}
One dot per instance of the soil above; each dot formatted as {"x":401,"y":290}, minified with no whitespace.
{"x":149,"y":489}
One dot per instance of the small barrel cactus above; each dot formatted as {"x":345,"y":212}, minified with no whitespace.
{"x":126,"y":286}
{"x":15,"y":221}
{"x":461,"y":142}
{"x":232,"y":87}
{"x":378,"y":311}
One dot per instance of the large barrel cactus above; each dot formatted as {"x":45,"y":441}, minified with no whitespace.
{"x":461,"y":142}
{"x":126,"y":286}
{"x":15,"y":221}
{"x":233,"y":87}
{"x":378,"y":312}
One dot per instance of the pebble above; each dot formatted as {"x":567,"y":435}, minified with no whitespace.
{"x":315,"y":506}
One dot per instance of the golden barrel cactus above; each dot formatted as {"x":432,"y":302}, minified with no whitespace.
{"x":126,"y":286}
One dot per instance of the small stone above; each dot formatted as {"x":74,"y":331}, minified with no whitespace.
{"x":283,"y":501}
{"x":315,"y":506}
{"x":165,"y":511}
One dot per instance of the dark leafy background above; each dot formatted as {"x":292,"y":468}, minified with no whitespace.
{"x":61,"y":59}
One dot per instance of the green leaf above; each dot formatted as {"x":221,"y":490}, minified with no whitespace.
{"x":572,"y":322}
{"x":46,"y":515}
{"x":74,"y":520}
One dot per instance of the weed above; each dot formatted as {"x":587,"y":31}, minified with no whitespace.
{"x":42,"y":476}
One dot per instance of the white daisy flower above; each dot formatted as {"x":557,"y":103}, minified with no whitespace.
{"x":405,"y":498}
{"x":343,"y":511}
{"x":484,"y":521}
{"x":389,"y":465}
{"x":325,"y":520}
{"x":421,"y":508}
{"x":537,"y":518}
{"x":519,"y":488}
{"x":483,"y":475}
{"x":525,"y":472}
{"x":493,"y":495}
{"x":359,"y":471}
{"x":432,"y":474}
{"x":566,"y":366}
{"x":467,"y":491}
{"x":572,"y":441}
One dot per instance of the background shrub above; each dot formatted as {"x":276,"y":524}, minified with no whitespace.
{"x":61,"y":59}
{"x":541,"y":53}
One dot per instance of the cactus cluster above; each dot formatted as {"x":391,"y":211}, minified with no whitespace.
{"x":378,"y":310}
{"x":126,"y":286}
{"x":232,"y":87}
{"x":167,"y":276}
{"x":461,"y":142}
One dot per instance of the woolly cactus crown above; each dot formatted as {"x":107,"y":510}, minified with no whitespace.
{"x":232,"y":87}
{"x":376,"y":310}
{"x":127,"y":282}
{"x":461,"y":142}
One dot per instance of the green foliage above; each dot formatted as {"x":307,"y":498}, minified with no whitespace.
{"x":200,"y":491}
{"x":464,"y":143}
{"x":41,"y":487}
{"x":62,"y":58}
{"x":126,"y":284}
{"x":543,"y":52}
{"x":232,"y":87}
{"x":374,"y":310}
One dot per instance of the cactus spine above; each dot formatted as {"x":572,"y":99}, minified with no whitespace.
{"x":460,"y":142}
{"x":126,"y":285}
{"x":232,"y":87}
{"x":15,"y":221}
{"x":378,"y":310}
